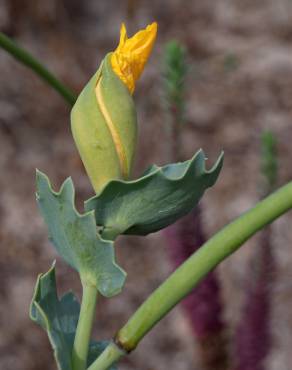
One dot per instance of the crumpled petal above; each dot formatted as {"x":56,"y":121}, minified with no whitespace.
{"x":131,"y":55}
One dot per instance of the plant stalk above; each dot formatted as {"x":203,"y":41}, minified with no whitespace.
{"x":84,"y":327}
{"x":189,"y":274}
{"x":182,"y":281}
{"x":25,"y":58}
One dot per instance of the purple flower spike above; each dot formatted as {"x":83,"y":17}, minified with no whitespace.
{"x":253,"y":340}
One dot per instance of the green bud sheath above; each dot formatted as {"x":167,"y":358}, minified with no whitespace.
{"x":104,"y":127}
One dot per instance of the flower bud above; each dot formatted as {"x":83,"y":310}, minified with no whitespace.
{"x":103,"y":119}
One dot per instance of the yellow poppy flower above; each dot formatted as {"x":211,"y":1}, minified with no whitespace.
{"x":103,"y":119}
{"x":131,"y":55}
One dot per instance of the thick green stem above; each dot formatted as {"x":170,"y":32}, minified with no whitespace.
{"x":183,"y":280}
{"x":108,"y":357}
{"x":189,"y":274}
{"x":25,"y":58}
{"x":84,"y":327}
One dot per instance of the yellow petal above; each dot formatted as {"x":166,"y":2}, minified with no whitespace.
{"x":131,"y":55}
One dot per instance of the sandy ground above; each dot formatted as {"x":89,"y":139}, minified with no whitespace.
{"x":240,"y":83}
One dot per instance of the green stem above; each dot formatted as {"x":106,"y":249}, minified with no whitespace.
{"x":108,"y":357}
{"x":25,"y":58}
{"x":189,"y":274}
{"x":84,"y":327}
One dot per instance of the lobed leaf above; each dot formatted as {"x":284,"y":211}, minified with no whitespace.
{"x":76,"y":239}
{"x":59,"y":319}
{"x":157,"y":199}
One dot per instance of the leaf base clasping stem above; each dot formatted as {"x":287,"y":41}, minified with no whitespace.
{"x":108,"y":357}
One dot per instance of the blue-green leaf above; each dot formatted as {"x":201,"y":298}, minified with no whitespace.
{"x":76,"y":239}
{"x":59,"y":319}
{"x":155,"y":200}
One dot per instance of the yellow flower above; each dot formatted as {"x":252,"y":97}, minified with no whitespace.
{"x":131,"y":55}
{"x":104,"y":119}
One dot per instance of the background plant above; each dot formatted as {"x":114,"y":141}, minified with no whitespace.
{"x":203,"y":305}
{"x":253,"y":339}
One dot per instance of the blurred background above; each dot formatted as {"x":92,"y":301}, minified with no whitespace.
{"x":238,"y":83}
